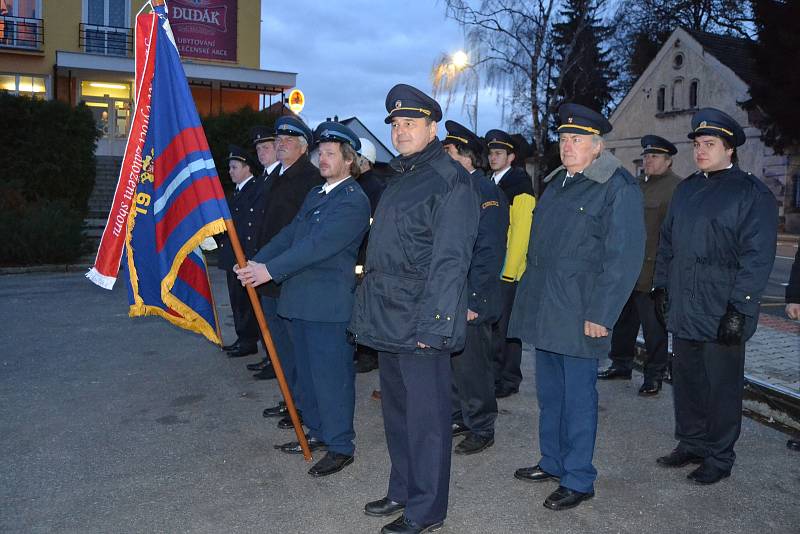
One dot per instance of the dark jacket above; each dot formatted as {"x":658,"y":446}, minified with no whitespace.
{"x":587,"y":246}
{"x":373,"y":186}
{"x":717,"y":246}
{"x":247,"y":211}
{"x":284,"y":195}
{"x":793,"y":288}
{"x":421,"y":240}
{"x":314,"y":257}
{"x":483,"y":279}
{"x":518,"y":190}
{"x":657,"y":191}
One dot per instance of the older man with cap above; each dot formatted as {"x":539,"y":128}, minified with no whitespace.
{"x":587,"y":246}
{"x":246,"y":209}
{"x":518,"y":189}
{"x":714,"y":259}
{"x":658,"y":184}
{"x":314,"y":258}
{"x":412,"y":307}
{"x":474,"y":402}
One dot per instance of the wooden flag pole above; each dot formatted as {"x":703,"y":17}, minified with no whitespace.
{"x":265,"y":334}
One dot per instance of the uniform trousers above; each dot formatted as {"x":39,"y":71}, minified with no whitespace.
{"x":565,"y":389}
{"x":507,"y":351}
{"x":326,"y":378}
{"x":639,"y":310}
{"x":244,"y":319}
{"x":707,"y":387}
{"x":415,"y":398}
{"x":474,"y":402}
{"x":283,"y":344}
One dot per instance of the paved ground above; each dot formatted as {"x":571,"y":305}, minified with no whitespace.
{"x":111,"y":424}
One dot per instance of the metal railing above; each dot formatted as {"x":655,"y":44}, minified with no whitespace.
{"x":21,"y":32}
{"x":105,"y":40}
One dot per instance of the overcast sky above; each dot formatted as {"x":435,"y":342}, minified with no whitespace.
{"x":348,"y":53}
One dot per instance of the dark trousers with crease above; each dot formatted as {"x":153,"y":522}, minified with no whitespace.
{"x":244,"y":319}
{"x":278,"y":328}
{"x":707,"y":387}
{"x":639,"y":310}
{"x":474,"y":403}
{"x":415,"y":398}
{"x":507,"y":351}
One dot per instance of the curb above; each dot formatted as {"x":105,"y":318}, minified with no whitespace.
{"x":48,"y":268}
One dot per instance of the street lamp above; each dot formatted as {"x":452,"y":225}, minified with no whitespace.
{"x":448,"y":75}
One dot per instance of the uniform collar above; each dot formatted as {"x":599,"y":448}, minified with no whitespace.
{"x":407,"y":163}
{"x":327,"y":188}
{"x":499,"y":175}
{"x":240,"y":186}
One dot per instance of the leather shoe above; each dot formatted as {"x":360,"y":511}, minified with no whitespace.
{"x":533,"y":474}
{"x":240,"y":352}
{"x":259,"y":366}
{"x":232,"y":346}
{"x":402,"y":525}
{"x":459,"y":429}
{"x":708,"y":474}
{"x":293,"y":447}
{"x":279,"y":410}
{"x":505,"y":391}
{"x":565,"y":498}
{"x":473,"y":444}
{"x":383,"y":507}
{"x":267,"y":373}
{"x":678,"y":458}
{"x":650,"y":387}
{"x":613,"y":373}
{"x":286,"y":422}
{"x":331,"y":463}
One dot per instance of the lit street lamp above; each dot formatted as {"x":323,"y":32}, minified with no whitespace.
{"x":448,"y":76}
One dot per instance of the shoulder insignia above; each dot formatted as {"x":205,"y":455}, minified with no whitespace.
{"x":489,"y":204}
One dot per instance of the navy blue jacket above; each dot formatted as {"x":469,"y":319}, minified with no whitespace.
{"x":314,"y":257}
{"x":247,"y":212}
{"x":717,"y":246}
{"x":420,"y":248}
{"x":488,"y":255}
{"x":586,"y":251}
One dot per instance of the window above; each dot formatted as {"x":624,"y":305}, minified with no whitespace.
{"x":677,"y":61}
{"x":21,"y":23}
{"x":677,"y":87}
{"x":693,"y":94}
{"x":24,"y":85}
{"x":106,"y":27}
{"x":661,"y":97}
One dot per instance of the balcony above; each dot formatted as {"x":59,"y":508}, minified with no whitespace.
{"x":21,"y":33}
{"x":106,"y":40}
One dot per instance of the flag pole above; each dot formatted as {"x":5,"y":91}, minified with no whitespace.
{"x":267,"y":337}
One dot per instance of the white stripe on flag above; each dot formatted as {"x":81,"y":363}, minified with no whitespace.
{"x":181,"y":177}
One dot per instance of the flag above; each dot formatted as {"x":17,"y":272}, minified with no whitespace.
{"x":168,"y":197}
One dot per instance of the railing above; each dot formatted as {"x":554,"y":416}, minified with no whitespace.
{"x":21,"y":32}
{"x":105,"y":40}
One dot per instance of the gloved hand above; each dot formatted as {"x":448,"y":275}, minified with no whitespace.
{"x":661,"y":300}
{"x":731,"y":327}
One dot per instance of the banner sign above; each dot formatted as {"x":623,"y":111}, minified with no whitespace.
{"x":204,"y":29}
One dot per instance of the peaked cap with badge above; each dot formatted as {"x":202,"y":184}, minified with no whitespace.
{"x":239,"y":154}
{"x":460,"y":135}
{"x":578,"y":119}
{"x":711,"y":121}
{"x":331,"y":131}
{"x":290,"y":125}
{"x":499,"y":139}
{"x":407,"y":101}
{"x":653,"y":144}
{"x":261,"y":134}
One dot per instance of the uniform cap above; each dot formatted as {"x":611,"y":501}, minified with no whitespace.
{"x":711,"y":121}
{"x":578,"y":119}
{"x":330,"y":131}
{"x":289,"y":125}
{"x":653,"y":144}
{"x":407,"y":101}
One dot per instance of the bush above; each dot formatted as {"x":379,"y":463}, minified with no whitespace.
{"x":47,"y":231}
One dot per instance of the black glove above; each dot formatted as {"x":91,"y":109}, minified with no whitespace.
{"x":731,"y":327}
{"x":661,"y":299}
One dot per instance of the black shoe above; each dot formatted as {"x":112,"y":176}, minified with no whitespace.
{"x":260,"y":366}
{"x":293,"y":447}
{"x":708,"y":474}
{"x":279,"y":410}
{"x":650,"y":387}
{"x":565,"y":498}
{"x":679,"y":458}
{"x":240,"y":351}
{"x":473,"y":444}
{"x":533,"y":474}
{"x":267,"y":373}
{"x":612,"y":373}
{"x":459,"y":429}
{"x":383,"y":507}
{"x":505,"y":391}
{"x":331,"y":463}
{"x":401,"y":525}
{"x":232,"y":346}
{"x":286,"y":422}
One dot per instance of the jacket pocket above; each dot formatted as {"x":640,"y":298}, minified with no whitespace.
{"x":712,"y":289}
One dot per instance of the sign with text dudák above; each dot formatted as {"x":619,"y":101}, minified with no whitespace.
{"x":204,"y":29}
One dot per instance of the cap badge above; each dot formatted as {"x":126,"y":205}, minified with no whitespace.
{"x":398,"y":104}
{"x":569,"y":120}
{"x":702,"y":124}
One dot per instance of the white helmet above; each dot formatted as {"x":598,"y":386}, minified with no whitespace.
{"x":367,"y":150}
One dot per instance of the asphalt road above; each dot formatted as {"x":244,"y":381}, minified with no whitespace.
{"x":111,"y":424}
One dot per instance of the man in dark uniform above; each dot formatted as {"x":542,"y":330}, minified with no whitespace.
{"x":290,"y":183}
{"x":314,"y":259}
{"x":518,"y":189}
{"x":657,"y":185}
{"x":587,"y":247}
{"x":246,"y":208}
{"x":474,"y":403}
{"x":412,"y":307}
{"x":714,"y":259}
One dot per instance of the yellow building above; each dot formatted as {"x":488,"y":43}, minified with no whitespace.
{"x":82,"y":51}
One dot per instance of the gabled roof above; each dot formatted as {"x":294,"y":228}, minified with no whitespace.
{"x":734,"y":52}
